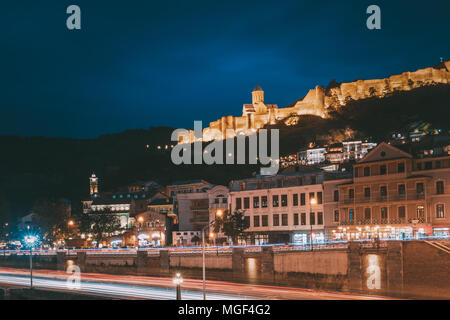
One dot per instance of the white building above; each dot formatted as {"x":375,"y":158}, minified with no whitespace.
{"x":311,"y":156}
{"x":355,"y":150}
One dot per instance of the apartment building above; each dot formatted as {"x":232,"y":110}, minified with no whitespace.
{"x":392,"y":196}
{"x":286,"y":208}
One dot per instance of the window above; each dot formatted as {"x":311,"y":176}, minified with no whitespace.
{"x":367,"y":213}
{"x":367,"y":192}
{"x":366,"y":171}
{"x":265,"y":220}
{"x":284,"y":200}
{"x":336,"y":195}
{"x":383,"y":191}
{"x":313,"y":180}
{"x":440,"y":211}
{"x":356,"y":172}
{"x":428,"y":165}
{"x":336,"y":216}
{"x":437,"y":164}
{"x":264,"y":202}
{"x":419,"y":188}
{"x":256,"y":221}
{"x":295,"y":219}
{"x":238,"y":203}
{"x":224,"y":200}
{"x":279,"y":183}
{"x":295,"y":199}
{"x":401,"y":212}
{"x":246,"y":203}
{"x":247,"y":220}
{"x":284,"y":219}
{"x":401,"y":190}
{"x":255,"y":202}
{"x":440,"y":187}
{"x":276,"y":220}
{"x":350,"y":214}
{"x":312,"y":218}
{"x":420,"y":212}
{"x":419,"y":166}
{"x":302,"y":199}
{"x":303,"y":219}
{"x":383,"y":169}
{"x":275,"y":201}
{"x":384,"y":213}
{"x":351,"y":193}
{"x":319,"y":197}
{"x":401,"y":167}
{"x":319,"y":218}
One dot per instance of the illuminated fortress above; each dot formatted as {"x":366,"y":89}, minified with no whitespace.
{"x":317,"y":102}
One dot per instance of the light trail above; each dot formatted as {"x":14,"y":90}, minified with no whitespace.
{"x":113,"y":289}
{"x":146,"y":287}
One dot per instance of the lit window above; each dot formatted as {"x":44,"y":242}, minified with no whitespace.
{"x":440,"y":211}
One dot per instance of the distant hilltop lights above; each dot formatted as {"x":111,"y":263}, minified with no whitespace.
{"x":317,"y":102}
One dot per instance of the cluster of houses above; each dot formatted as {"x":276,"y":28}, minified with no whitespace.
{"x":388,"y":193}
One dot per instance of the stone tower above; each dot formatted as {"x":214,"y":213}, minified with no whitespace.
{"x":93,"y":182}
{"x":257,"y":95}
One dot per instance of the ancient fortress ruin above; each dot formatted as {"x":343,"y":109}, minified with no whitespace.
{"x":317,"y":102}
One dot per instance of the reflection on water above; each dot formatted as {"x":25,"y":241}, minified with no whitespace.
{"x":251,"y":268}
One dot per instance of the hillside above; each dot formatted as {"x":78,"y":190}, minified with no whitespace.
{"x":38,"y":167}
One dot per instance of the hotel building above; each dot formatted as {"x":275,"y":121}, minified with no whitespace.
{"x":286,"y":208}
{"x":392,"y":196}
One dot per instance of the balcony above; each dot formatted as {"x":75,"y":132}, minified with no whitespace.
{"x":218,"y":205}
{"x":359,"y":222}
{"x":199,"y":208}
{"x":388,"y":198}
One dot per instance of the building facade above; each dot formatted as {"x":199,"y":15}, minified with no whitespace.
{"x":393,"y":196}
{"x":281,"y":209}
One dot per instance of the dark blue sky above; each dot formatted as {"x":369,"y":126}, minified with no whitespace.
{"x":136,"y":64}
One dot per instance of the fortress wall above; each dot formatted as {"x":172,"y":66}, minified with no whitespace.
{"x":316,"y":102}
{"x":241,"y":123}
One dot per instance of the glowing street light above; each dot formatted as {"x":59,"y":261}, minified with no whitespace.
{"x":141,"y":219}
{"x":178,"y":280}
{"x":70,"y":222}
{"x":31,"y":241}
{"x":219,"y":213}
{"x":312,"y":202}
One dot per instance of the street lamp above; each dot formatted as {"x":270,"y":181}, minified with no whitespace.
{"x":219,"y":213}
{"x":312,"y":202}
{"x":31,"y":240}
{"x":178,"y":280}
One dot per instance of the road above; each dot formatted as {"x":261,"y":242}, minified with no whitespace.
{"x":144,"y":287}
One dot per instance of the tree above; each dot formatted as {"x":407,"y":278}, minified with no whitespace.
{"x":195,"y":239}
{"x":232,"y":225}
{"x":51,"y":218}
{"x":6,"y":219}
{"x":100,"y":224}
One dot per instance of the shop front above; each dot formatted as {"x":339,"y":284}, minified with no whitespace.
{"x":380,"y":232}
{"x":441,"y":232}
{"x":305,"y":237}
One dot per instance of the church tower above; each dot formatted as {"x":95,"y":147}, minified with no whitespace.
{"x":257,"y":95}
{"x":93,"y":182}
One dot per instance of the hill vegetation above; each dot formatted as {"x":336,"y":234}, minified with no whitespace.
{"x":34,"y":168}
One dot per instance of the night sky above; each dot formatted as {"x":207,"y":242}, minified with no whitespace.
{"x":136,"y":64}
